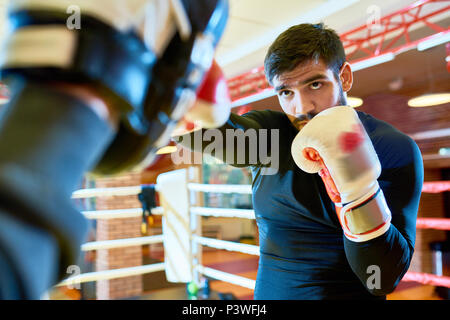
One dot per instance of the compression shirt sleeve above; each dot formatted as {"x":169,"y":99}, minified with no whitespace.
{"x":242,"y":141}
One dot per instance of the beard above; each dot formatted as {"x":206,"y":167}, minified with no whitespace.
{"x":302,"y":120}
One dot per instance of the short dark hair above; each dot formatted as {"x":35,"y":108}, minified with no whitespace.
{"x":301,"y":43}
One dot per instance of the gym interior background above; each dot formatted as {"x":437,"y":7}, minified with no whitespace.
{"x":399,"y":50}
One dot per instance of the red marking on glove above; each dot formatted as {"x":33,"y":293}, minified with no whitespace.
{"x":349,"y":141}
{"x":214,"y":88}
{"x":189,"y":126}
{"x":313,"y":155}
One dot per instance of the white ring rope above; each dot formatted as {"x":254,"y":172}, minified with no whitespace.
{"x":112,"y":274}
{"x":227,"y":245}
{"x":135,"y":190}
{"x":220,"y":188}
{"x":223,"y":212}
{"x":119,"y":213}
{"x":121,"y":243}
{"x":106,"y":192}
{"x":227,"y":277}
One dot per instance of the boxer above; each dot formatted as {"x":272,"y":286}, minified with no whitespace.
{"x":338,"y":219}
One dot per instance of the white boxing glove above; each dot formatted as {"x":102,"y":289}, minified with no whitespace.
{"x":335,"y":145}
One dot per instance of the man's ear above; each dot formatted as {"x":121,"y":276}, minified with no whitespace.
{"x":346,"y":76}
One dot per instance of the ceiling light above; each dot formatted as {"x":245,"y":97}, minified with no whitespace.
{"x":354,"y":102}
{"x":433,"y":41}
{"x":167,"y":150}
{"x":366,"y":63}
{"x":444,"y":151}
{"x":429,"y":100}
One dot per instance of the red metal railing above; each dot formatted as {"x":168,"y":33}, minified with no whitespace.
{"x":388,"y":35}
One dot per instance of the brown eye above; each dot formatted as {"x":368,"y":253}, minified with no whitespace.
{"x":315,"y":85}
{"x":285,"y":93}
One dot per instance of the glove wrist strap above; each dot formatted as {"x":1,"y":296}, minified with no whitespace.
{"x":367,"y":217}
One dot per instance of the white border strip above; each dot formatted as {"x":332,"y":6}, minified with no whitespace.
{"x":227,"y":277}
{"x":112,"y":274}
{"x":227,"y":245}
{"x":121,"y":243}
{"x":221,"y":188}
{"x":224,"y":212}
{"x":266,"y":93}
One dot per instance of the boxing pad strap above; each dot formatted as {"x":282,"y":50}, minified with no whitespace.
{"x":114,"y":61}
{"x":366,"y":218}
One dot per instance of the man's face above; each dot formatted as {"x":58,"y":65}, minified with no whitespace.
{"x":311,"y":88}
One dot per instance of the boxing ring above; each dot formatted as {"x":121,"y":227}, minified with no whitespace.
{"x":182,"y":238}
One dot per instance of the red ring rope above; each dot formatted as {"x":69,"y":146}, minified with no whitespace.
{"x":433,"y":223}
{"x":428,"y":279}
{"x":436,"y":186}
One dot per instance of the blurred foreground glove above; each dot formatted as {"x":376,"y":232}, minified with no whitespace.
{"x":147,"y":58}
{"x":212,"y":107}
{"x":335,"y":145}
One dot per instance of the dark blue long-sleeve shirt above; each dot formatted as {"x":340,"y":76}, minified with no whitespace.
{"x":303,"y":252}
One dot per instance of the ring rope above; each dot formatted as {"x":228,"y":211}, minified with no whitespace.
{"x":121,"y":243}
{"x":221,"y":188}
{"x":227,"y":245}
{"x":227,"y":277}
{"x":119,"y":213}
{"x":106,"y":192}
{"x":433,"y":223}
{"x":112,"y":274}
{"x":436,"y":186}
{"x":427,"y":279}
{"x":223,"y":212}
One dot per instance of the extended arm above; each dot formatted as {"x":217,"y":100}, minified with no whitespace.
{"x":238,"y":142}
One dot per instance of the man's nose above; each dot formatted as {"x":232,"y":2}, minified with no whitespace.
{"x":303,"y":106}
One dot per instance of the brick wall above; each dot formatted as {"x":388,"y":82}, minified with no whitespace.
{"x":119,"y":229}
